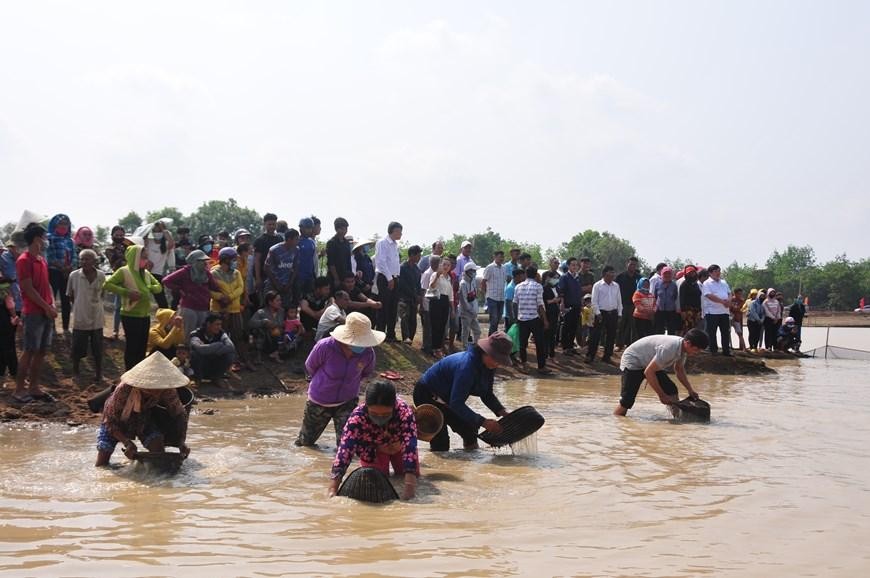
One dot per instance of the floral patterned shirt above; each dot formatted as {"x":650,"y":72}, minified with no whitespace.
{"x":361,"y":437}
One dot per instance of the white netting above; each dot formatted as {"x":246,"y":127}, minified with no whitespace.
{"x":834,"y":352}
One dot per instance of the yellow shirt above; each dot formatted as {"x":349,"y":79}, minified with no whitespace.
{"x":232,"y":289}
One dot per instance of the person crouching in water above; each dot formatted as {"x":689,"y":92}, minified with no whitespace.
{"x":451,"y":381}
{"x":382,"y":431}
{"x":127,"y":414}
{"x":337,"y":364}
{"x":648,"y":358}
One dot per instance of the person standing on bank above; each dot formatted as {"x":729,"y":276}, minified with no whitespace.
{"x":387,"y":270}
{"x":532,"y":317}
{"x":337,"y":365}
{"x":716,"y":302}
{"x":607,"y":308}
{"x":451,"y":381}
{"x":648,"y":359}
{"x":627,"y":281}
{"x":492,"y":286}
{"x":135,"y":284}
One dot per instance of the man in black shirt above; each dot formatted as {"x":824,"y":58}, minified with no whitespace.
{"x":261,"y":249}
{"x":338,"y":253}
{"x":312,"y":306}
{"x":410,"y":293}
{"x":627,"y":281}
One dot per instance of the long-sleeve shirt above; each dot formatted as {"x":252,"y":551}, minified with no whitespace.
{"x":196,"y":296}
{"x":7,"y":270}
{"x":361,"y":437}
{"x":667,"y":297}
{"x":134,"y":424}
{"x":606,"y":297}
{"x":409,"y":282}
{"x":230,"y":285}
{"x":756,"y":311}
{"x":387,"y":258}
{"x":773,"y":309}
{"x":468,"y":305}
{"x":457,"y":377}
{"x":644,"y":305}
{"x":690,"y":296}
{"x":201,"y":343}
{"x":569,"y":289}
{"x":159,"y":337}
{"x":335,"y":378}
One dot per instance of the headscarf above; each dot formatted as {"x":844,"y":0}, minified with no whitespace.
{"x":198,"y":271}
{"x":84,"y":237}
{"x":640,"y":286}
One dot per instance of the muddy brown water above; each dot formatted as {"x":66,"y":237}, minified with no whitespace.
{"x":777,"y":485}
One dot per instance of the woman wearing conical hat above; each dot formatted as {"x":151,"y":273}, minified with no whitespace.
{"x":127,"y":414}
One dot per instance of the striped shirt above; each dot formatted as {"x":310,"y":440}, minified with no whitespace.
{"x":529,"y":295}
{"x":495,"y":278}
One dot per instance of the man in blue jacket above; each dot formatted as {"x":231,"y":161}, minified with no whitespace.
{"x":449,"y":383}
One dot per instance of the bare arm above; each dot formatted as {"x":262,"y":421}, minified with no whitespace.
{"x":652,"y":379}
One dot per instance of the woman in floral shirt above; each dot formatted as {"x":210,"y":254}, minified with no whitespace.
{"x":381,"y":431}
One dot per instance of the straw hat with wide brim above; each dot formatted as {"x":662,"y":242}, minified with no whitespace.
{"x":155,"y":372}
{"x":357,"y":331}
{"x":430,"y":420}
{"x":363,"y":243}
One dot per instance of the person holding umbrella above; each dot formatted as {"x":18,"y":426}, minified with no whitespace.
{"x":451,"y":381}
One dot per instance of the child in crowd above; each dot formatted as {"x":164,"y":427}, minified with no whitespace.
{"x":292,"y":331}
{"x":182,"y":360}
{"x":736,"y":308}
{"x":587,"y":319}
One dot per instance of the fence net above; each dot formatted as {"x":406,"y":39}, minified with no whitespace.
{"x":834,"y":352}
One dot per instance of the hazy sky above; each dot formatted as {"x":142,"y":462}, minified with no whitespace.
{"x":710,"y":130}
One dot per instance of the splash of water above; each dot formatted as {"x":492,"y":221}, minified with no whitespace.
{"x":527,"y":446}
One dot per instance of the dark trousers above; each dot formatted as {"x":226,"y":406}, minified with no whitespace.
{"x":755,"y":329}
{"x":494,"y":308}
{"x":606,"y":324}
{"x":160,"y":298}
{"x":723,"y":323}
{"x":408,"y":308}
{"x":8,"y":354}
{"x":771,"y":328}
{"x":439,"y":313}
{"x":81,"y":340}
{"x":210,"y":366}
{"x":625,"y":333}
{"x":441,"y":441}
{"x":389,"y":298}
{"x":136,"y":336}
{"x":669,"y":321}
{"x":552,"y":332}
{"x":58,"y":280}
{"x":570,"y":319}
{"x":642,"y":327}
{"x":533,"y":327}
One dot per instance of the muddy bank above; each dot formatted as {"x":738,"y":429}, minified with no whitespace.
{"x":288,"y":378}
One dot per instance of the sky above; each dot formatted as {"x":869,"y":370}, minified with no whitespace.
{"x":713,"y":131}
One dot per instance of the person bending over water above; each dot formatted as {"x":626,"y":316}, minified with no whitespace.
{"x":382,"y":431}
{"x":649,"y":357}
{"x":451,"y":381}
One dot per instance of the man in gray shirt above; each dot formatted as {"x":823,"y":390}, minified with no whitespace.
{"x":648,"y":358}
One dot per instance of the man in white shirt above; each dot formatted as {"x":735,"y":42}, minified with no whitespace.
{"x":607,"y":309}
{"x":715,"y":299}
{"x":333,"y":316}
{"x":492,"y":286}
{"x":387,"y":268}
{"x":425,"y":277}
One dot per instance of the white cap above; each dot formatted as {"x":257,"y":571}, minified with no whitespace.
{"x":465,"y":244}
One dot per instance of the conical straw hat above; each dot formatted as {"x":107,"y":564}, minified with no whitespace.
{"x":357,"y":331}
{"x":155,"y":372}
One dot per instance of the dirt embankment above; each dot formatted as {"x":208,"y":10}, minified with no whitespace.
{"x":288,"y":378}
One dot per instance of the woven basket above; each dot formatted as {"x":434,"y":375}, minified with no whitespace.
{"x":693,"y":410}
{"x":517,"y":425}
{"x":164,"y":462}
{"x":368,"y":485}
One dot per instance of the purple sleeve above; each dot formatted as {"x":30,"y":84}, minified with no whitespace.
{"x":315,"y":358}
{"x":370,"y":363}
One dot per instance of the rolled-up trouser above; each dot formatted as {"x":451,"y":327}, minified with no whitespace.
{"x":316,"y":417}
{"x":441,"y":441}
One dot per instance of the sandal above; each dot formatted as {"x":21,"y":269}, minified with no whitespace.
{"x":26,"y":399}
{"x":44,"y":396}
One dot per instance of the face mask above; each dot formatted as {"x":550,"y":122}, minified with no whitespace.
{"x":233,"y":265}
{"x":365,"y":251}
{"x":380,"y":420}
{"x":553,"y":282}
{"x":356,"y":349}
{"x":157,"y":236}
{"x":207,"y":248}
{"x":61,"y":231}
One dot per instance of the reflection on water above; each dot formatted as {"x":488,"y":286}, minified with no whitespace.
{"x":777,"y":484}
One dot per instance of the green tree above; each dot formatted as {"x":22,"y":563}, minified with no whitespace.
{"x":484,"y":244}
{"x":101,"y":234}
{"x":214,"y":216}
{"x":166,"y":212}
{"x":130,"y":221}
{"x":789,"y":268}
{"x":601,"y":248}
